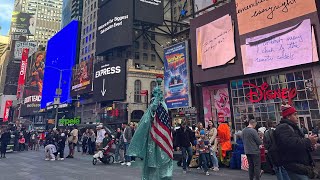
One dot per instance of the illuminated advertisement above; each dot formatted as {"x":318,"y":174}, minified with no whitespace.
{"x":33,"y":84}
{"x":82,"y":78}
{"x":60,"y":59}
{"x":176,"y":76}
{"x":23,"y":23}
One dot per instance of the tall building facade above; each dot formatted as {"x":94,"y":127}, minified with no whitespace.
{"x":88,"y":30}
{"x":77,"y":9}
{"x":71,"y":10}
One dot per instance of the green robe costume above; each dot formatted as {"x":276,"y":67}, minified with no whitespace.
{"x":157,"y":165}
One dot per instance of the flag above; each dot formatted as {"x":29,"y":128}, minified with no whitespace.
{"x":161,"y":130}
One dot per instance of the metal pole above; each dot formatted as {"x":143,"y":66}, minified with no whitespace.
{"x":58,"y":96}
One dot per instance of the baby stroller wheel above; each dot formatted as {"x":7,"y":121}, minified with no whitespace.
{"x":94,"y":161}
{"x":111,"y":160}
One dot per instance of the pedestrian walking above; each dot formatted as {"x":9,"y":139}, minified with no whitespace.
{"x":72,"y":140}
{"x":185,"y":139}
{"x":85,"y":141}
{"x":212,"y":135}
{"x":251,"y":142}
{"x":5,"y":140}
{"x":119,"y":143}
{"x":61,"y":146}
{"x":127,"y":136}
{"x":91,"y":142}
{"x":203,"y":151}
{"x":294,"y":148}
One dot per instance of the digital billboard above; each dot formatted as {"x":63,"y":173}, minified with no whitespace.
{"x":61,"y":56}
{"x":23,"y":23}
{"x":150,"y":11}
{"x":110,"y":80}
{"x":114,"y":25}
{"x":82,"y":78}
{"x":33,"y":84}
{"x":176,"y":76}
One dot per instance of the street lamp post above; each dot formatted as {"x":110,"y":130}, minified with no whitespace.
{"x":58,"y":94}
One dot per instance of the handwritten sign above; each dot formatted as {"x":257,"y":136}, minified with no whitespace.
{"x":215,"y":43}
{"x":257,"y":14}
{"x":288,"y":47}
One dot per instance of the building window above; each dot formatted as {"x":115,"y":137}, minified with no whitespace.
{"x":145,"y":56}
{"x":137,"y":91}
{"x":153,"y":37}
{"x":153,"y":84}
{"x":93,"y":34}
{"x":153,"y":57}
{"x":136,"y":44}
{"x":153,"y":46}
{"x":145,"y":45}
{"x":95,"y":4}
{"x":137,"y":55}
{"x":93,"y":45}
{"x":128,"y":54}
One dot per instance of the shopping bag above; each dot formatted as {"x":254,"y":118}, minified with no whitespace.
{"x":244,"y":162}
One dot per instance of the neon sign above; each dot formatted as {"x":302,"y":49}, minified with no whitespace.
{"x":262,"y":93}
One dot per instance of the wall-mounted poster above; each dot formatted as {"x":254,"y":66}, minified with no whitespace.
{"x":215,"y":43}
{"x":216,"y":103}
{"x":257,"y":14}
{"x":283,"y":48}
{"x":176,"y":76}
{"x":82,"y":78}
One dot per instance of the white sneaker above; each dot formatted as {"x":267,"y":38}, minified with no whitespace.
{"x":61,"y":159}
{"x":184,"y":172}
{"x":133,"y":161}
{"x":199,"y":168}
{"x":52,"y":160}
{"x":207,"y":173}
{"x":128,"y":163}
{"x":47,"y":159}
{"x":124,"y":163}
{"x":216,"y":169}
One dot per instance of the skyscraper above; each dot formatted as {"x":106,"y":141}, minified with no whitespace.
{"x":66,"y":13}
{"x":71,"y":10}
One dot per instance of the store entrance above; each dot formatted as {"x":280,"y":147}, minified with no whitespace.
{"x":305,"y":120}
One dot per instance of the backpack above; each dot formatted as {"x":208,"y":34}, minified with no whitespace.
{"x":270,"y":144}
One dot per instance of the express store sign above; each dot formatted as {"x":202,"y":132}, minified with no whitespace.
{"x":263,"y":92}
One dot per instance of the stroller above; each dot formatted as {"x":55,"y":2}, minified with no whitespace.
{"x":106,"y":155}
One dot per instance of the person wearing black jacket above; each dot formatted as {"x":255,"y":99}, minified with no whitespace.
{"x":184,"y":139}
{"x":61,"y":145}
{"x":5,"y":140}
{"x":294,"y":149}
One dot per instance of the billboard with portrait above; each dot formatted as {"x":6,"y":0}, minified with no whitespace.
{"x":82,"y":78}
{"x":34,"y":84}
{"x":114,"y":25}
{"x":176,"y":76}
{"x":23,"y":23}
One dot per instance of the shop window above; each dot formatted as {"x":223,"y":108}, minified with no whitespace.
{"x":235,"y":93}
{"x":313,"y":104}
{"x":270,"y":107}
{"x":137,"y":91}
{"x":282,"y":78}
{"x":291,"y":85}
{"x":300,"y":85}
{"x":302,"y":95}
{"x":298,"y":76}
{"x":289,"y":77}
{"x":259,"y":81}
{"x":307,"y":74}
{"x":240,"y":84}
{"x":233,"y":85}
{"x":235,"y":101}
{"x":274,"y":80}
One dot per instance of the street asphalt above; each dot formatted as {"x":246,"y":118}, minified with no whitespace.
{"x":30,"y":165}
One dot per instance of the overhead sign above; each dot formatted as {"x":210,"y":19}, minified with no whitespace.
{"x":257,"y":14}
{"x":22,"y":72}
{"x":82,"y":78}
{"x":176,"y":76}
{"x":23,"y":23}
{"x":7,"y":110}
{"x":150,"y":11}
{"x":110,"y":81}
{"x":69,"y":121}
{"x":19,"y":46}
{"x":114,"y":25}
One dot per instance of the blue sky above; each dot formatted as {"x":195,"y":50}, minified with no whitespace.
{"x":6,"y":7}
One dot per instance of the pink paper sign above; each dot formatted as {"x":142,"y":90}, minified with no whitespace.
{"x":284,"y":48}
{"x":215,"y":43}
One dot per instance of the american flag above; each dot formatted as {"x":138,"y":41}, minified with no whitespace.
{"x":161,"y":130}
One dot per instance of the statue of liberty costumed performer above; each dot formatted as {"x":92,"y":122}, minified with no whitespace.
{"x":157,"y":158}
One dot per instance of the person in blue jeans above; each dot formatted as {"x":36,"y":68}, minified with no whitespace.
{"x":203,"y":150}
{"x":127,"y":136}
{"x":184,"y":139}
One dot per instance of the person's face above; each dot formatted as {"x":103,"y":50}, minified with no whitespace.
{"x":118,"y":130}
{"x":210,"y":123}
{"x":202,"y":136}
{"x":87,"y":130}
{"x":39,"y":58}
{"x":294,"y":118}
{"x":200,"y":126}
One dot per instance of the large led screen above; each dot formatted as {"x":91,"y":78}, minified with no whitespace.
{"x":61,"y":55}
{"x":150,"y":11}
{"x":115,"y":21}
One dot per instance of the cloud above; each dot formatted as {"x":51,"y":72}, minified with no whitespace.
{"x":6,"y":9}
